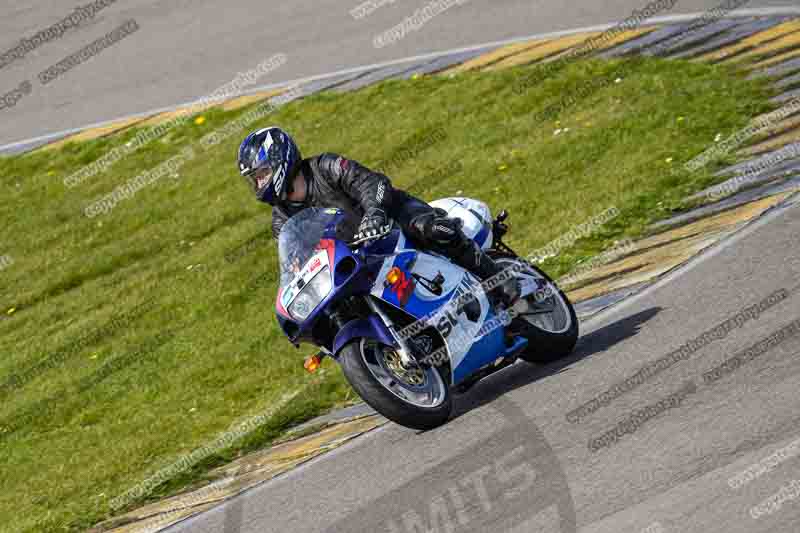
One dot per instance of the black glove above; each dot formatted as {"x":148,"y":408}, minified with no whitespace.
{"x":375,"y":224}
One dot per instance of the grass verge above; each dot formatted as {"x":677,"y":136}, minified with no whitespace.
{"x":140,"y":335}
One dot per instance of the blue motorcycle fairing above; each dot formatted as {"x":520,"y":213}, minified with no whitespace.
{"x":472,"y":341}
{"x":485,"y":337}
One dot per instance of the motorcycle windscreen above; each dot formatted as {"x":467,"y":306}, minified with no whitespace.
{"x":304,"y":262}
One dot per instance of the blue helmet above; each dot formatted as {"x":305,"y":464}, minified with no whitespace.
{"x":269,"y":160}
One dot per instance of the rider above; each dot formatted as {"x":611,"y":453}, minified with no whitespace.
{"x":271,"y":162}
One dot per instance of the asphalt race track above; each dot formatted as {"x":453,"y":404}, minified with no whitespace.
{"x":185,"y":49}
{"x":511,"y":461}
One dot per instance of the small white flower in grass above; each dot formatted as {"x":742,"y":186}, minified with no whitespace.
{"x":718,"y":138}
{"x":566,"y":130}
{"x":459,"y":192}
{"x":668,"y":160}
{"x":618,"y":80}
{"x":558,"y":131}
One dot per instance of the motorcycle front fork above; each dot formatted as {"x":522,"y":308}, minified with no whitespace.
{"x":404,"y":352}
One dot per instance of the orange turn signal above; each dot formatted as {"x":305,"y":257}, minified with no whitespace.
{"x":394,"y":275}
{"x":312,"y":363}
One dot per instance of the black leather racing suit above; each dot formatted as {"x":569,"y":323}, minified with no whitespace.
{"x":334,"y":181}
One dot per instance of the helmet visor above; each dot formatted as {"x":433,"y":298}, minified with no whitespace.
{"x":260,"y":178}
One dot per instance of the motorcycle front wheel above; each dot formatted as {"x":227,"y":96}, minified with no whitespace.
{"x":418,"y":398}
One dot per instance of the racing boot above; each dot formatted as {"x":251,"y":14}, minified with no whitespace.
{"x":501,"y":285}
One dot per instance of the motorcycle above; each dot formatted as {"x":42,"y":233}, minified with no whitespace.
{"x":408,"y":327}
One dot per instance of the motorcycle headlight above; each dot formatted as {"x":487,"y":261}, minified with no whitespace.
{"x":312,"y":294}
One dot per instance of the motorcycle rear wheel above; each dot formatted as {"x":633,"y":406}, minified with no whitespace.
{"x":548,"y":340}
